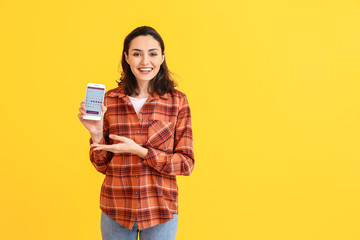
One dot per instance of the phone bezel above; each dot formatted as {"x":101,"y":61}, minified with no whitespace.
{"x":97,"y":86}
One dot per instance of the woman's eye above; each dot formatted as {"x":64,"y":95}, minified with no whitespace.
{"x":153,"y":54}
{"x":136,"y":54}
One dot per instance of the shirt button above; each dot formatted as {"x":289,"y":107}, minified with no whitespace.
{"x":138,"y":206}
{"x":136,"y":192}
{"x":136,"y":176}
{"x":140,"y":118}
{"x":138,"y":131}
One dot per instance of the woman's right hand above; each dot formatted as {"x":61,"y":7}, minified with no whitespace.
{"x":95,"y":127}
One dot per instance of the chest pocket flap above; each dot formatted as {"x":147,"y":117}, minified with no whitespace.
{"x":161,"y":135}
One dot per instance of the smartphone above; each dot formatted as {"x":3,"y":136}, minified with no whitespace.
{"x":93,"y":99}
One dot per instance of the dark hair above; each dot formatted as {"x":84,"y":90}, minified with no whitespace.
{"x":161,"y":83}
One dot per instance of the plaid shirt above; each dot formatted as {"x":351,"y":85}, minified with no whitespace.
{"x":145,"y":189}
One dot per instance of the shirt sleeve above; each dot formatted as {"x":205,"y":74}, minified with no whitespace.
{"x":100,"y":159}
{"x":181,"y":160}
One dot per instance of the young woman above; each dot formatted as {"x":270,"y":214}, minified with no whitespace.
{"x":143,"y":141}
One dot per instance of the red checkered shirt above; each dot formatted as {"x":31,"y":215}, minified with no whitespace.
{"x":145,"y":189}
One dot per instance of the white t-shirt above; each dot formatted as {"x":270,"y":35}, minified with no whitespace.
{"x":137,"y":103}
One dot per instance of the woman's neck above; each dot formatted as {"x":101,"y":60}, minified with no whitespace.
{"x":142,"y":89}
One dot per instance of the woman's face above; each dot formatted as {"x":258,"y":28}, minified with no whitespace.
{"x":145,"y":57}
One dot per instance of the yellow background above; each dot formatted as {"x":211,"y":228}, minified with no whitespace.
{"x":274,"y":93}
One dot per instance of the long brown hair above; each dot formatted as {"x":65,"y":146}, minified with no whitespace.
{"x":161,"y":83}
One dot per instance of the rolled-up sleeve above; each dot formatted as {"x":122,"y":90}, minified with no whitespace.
{"x":100,"y":159}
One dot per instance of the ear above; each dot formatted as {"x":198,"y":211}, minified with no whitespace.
{"x":163,"y":58}
{"x":126,"y":58}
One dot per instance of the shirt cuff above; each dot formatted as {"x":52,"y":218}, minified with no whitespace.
{"x":150,"y":157}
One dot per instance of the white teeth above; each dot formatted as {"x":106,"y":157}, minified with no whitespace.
{"x":145,"y":69}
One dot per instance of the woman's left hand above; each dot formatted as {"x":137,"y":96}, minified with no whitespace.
{"x":125,"y":145}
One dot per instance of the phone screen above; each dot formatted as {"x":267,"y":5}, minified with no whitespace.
{"x":94,"y":98}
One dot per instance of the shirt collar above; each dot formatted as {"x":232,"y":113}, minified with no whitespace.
{"x":120,"y":92}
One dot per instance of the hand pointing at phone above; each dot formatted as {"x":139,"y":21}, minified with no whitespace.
{"x":124,"y":145}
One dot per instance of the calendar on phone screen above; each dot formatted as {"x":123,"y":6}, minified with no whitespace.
{"x":94,"y":98}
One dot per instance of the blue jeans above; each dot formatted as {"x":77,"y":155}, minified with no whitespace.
{"x":112,"y":230}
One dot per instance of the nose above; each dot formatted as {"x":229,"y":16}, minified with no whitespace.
{"x":145,"y":59}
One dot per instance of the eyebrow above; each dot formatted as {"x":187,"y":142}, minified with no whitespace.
{"x":153,"y":49}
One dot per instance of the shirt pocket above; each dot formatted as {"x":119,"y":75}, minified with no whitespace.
{"x":161,"y":135}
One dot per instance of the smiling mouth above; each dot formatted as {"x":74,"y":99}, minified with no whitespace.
{"x":145,"y":70}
